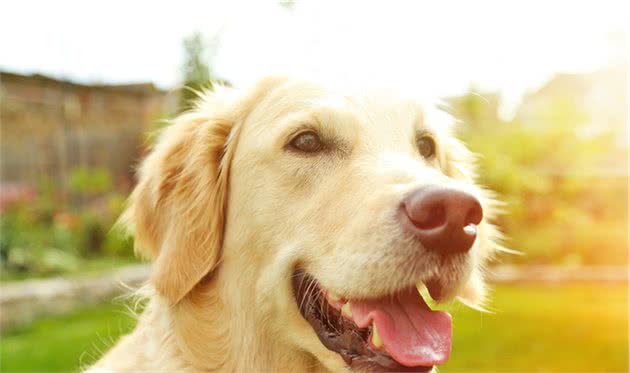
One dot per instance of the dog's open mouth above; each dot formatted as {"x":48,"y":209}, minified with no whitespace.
{"x":398,"y":333}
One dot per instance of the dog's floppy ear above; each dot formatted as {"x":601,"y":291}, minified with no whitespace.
{"x":177,"y":210}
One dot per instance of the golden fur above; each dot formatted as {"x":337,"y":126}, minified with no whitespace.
{"x":226,"y":213}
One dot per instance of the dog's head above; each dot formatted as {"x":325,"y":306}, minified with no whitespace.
{"x":323,"y":211}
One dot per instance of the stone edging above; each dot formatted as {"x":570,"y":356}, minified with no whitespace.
{"x":23,"y":301}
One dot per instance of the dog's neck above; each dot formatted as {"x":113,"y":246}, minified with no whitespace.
{"x":218,"y":328}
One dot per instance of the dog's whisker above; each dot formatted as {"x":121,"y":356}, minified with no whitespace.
{"x":307,"y":297}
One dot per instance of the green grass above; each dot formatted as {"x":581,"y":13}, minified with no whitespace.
{"x":562,"y":328}
{"x":568,"y":328}
{"x":64,"y":343}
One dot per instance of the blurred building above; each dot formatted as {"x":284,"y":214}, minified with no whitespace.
{"x":48,"y":127}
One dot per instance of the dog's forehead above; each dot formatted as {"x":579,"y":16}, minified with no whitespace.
{"x":374,"y":108}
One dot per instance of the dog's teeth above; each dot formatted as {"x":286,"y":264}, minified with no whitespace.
{"x":376,"y":338}
{"x":470,"y":229}
{"x":346,"y":310}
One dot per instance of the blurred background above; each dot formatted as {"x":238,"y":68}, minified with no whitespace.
{"x":540,"y":88}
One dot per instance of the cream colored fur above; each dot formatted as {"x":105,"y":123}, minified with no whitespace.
{"x":227,"y":213}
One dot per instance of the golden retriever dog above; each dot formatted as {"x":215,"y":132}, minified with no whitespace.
{"x":291,"y":225}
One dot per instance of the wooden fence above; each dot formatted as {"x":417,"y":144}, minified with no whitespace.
{"x":50,"y":127}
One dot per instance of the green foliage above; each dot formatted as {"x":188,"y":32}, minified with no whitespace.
{"x":41,"y":260}
{"x":560,"y":208}
{"x":195,"y":70}
{"x":90,"y":181}
{"x":41,"y":237}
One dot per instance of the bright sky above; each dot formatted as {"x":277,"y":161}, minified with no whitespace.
{"x":439,"y":47}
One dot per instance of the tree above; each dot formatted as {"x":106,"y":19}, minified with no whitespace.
{"x":196,"y":70}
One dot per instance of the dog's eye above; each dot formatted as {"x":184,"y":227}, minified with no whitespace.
{"x":426,"y":146}
{"x":307,"y":142}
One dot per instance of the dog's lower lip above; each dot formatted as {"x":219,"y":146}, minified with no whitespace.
{"x":339,"y":334}
{"x":436,"y":291}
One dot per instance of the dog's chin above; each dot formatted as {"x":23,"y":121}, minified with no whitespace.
{"x":394,"y":333}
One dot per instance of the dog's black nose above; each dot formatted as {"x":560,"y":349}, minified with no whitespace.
{"x":443,"y":219}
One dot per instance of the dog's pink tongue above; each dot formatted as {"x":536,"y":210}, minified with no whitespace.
{"x":412,"y":334}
